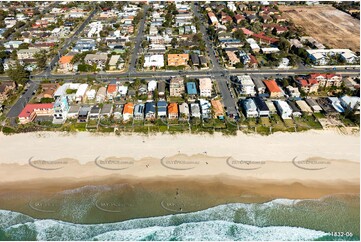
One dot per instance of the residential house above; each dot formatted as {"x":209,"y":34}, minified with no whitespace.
{"x":73,"y":112}
{"x":308,"y":85}
{"x":101,"y":94}
{"x":331,"y":106}
{"x":156,"y":61}
{"x":6,"y":88}
{"x":195,"y":59}
{"x":113,"y":62}
{"x":217,"y":107}
{"x":90,"y":95}
{"x":128,"y":111}
{"x":205,"y":109}
{"x":195,"y":110}
{"x":293,"y":91}
{"x":232,"y":58}
{"x":178,"y":59}
{"x":205,"y":87}
{"x":176,"y":87}
{"x":273,"y":88}
{"x":61,"y":108}
{"x":271,"y":107}
{"x":296,"y":112}
{"x":112,"y":90}
{"x":213,"y":19}
{"x":250,"y":108}
{"x":33,"y":110}
{"x":184,"y":111}
{"x":314,"y":105}
{"x":152,"y":85}
{"x":48,"y":90}
{"x":106,"y":110}
{"x":162,"y":109}
{"x":352,"y":103}
{"x":262,"y":108}
{"x":327,"y":80}
{"x":84,"y":45}
{"x":304,"y":107}
{"x":150,"y":111}
{"x":161,"y":89}
{"x":27,"y":54}
{"x":94,"y":112}
{"x":65,"y":64}
{"x":138,"y":112}
{"x":98,"y":59}
{"x":247,"y":86}
{"x":173,"y":111}
{"x":123,"y":91}
{"x":192,"y":89}
{"x":83,"y":114}
{"x":118,"y":111}
{"x":259,"y":85}
{"x":79,"y":95}
{"x":284,"y":110}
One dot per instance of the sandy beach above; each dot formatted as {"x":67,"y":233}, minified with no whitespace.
{"x":314,"y":156}
{"x":147,"y":176}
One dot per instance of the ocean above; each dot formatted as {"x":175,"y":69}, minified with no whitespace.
{"x":124,"y":212}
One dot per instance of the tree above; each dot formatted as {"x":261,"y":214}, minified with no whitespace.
{"x":18,"y":74}
{"x":23,"y":46}
{"x":239,"y":65}
{"x":41,"y":59}
{"x":174,"y":42}
{"x":238,"y":34}
{"x":284,"y":45}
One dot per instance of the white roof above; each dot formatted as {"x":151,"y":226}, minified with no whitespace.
{"x":113,"y":60}
{"x":351,"y":101}
{"x":123,"y":90}
{"x":152,"y":85}
{"x":81,"y":90}
{"x":245,"y":80}
{"x":154,"y":60}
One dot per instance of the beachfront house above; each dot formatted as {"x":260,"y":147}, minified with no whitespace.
{"x":284,"y":110}
{"x":250,"y":108}
{"x":162,"y":109}
{"x":150,"y":111}
{"x":138,"y":111}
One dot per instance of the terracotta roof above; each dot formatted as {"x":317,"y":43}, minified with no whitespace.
{"x":253,"y":59}
{"x":111,"y":88}
{"x":217,"y":107}
{"x":263,"y":37}
{"x":272,"y":86}
{"x":66,"y":59}
{"x":30,"y":107}
{"x":247,"y":31}
{"x":128,"y":108}
{"x":173,"y":108}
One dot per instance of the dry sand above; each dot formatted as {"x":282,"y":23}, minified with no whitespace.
{"x":326,"y":24}
{"x":333,"y":158}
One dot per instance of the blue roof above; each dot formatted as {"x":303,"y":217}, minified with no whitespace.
{"x":191,"y":88}
{"x":150,"y":107}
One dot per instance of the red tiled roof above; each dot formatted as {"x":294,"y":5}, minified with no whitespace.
{"x":30,"y":107}
{"x":263,"y":37}
{"x":272,"y":85}
{"x":253,"y":59}
{"x":247,"y":31}
{"x":111,"y":88}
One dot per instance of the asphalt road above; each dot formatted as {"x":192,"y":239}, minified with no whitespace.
{"x":138,"y":41}
{"x":23,"y":100}
{"x":68,"y":43}
{"x":228,"y":100}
